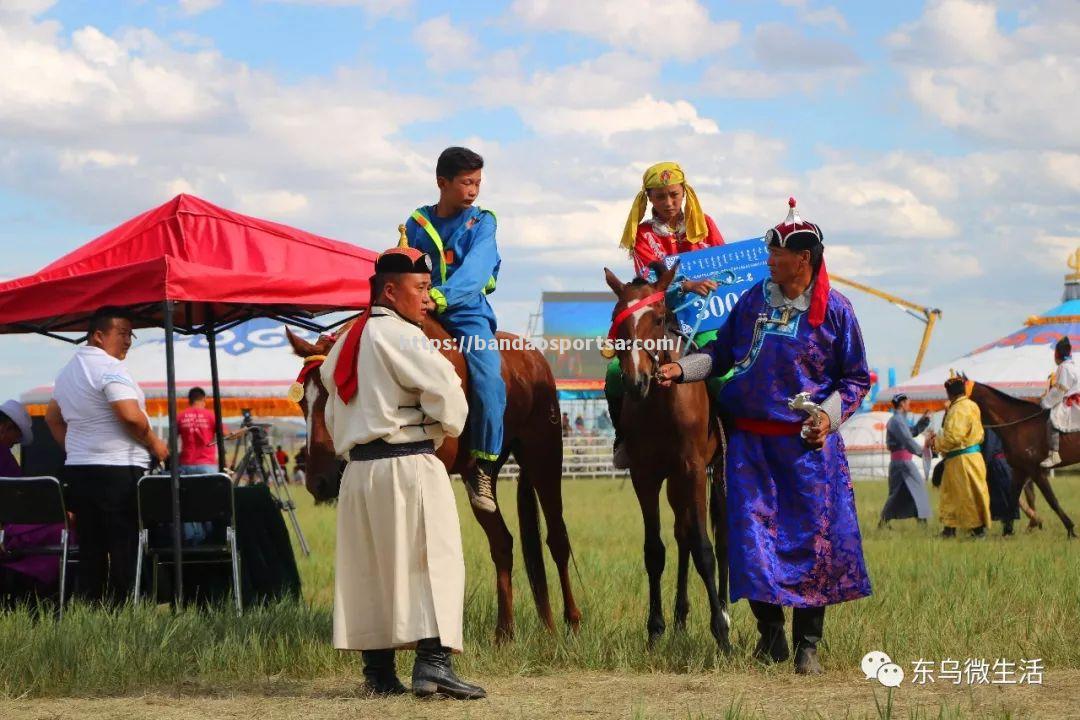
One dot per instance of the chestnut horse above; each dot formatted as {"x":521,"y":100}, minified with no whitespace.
{"x":670,"y":433}
{"x":1022,"y":427}
{"x":533,"y":433}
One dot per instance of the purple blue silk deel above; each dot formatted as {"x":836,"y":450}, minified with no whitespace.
{"x":793,"y":533}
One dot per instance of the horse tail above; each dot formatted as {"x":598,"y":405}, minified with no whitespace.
{"x":529,"y":527}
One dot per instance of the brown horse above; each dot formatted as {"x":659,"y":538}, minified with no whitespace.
{"x":1022,"y":427}
{"x":671,"y":434}
{"x":533,"y":434}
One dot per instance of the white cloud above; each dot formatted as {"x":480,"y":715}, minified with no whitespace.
{"x":72,"y":160}
{"x":105,"y":125}
{"x":96,"y":47}
{"x":643,"y":114}
{"x":196,"y":7}
{"x":858,"y":200}
{"x":787,"y":62}
{"x":22,"y":9}
{"x":828,"y":15}
{"x":273,"y":203}
{"x":1014,"y":87}
{"x":449,"y":47}
{"x":676,"y":28}
{"x":952,"y":31}
{"x":375,"y":7}
{"x":602,"y":97}
{"x":851,"y":262}
{"x":781,"y":47}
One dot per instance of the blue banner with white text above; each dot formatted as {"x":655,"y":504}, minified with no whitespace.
{"x":738,"y":266}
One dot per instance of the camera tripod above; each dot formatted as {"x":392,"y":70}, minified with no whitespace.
{"x":258,"y":460}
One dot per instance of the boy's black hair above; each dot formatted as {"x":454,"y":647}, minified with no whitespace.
{"x":456,"y":160}
{"x":196,"y":394}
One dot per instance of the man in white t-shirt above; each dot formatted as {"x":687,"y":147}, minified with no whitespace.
{"x":98,"y":415}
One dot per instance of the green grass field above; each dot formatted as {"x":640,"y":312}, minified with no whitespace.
{"x":1013,"y":598}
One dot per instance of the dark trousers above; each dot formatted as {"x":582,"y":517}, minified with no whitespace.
{"x":807,"y":624}
{"x":103,"y":500}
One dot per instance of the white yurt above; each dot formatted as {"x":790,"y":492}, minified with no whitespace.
{"x":1019,"y":364}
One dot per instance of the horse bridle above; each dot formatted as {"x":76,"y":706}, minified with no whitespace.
{"x":629,"y":310}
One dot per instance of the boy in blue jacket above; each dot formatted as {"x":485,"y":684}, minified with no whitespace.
{"x":460,"y":238}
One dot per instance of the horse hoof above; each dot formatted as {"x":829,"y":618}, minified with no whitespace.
{"x":654,"y":637}
{"x":504,"y":636}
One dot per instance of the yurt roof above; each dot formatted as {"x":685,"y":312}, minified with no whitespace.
{"x":1019,"y":363}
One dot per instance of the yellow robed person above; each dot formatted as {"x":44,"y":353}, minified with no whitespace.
{"x":965,"y":499}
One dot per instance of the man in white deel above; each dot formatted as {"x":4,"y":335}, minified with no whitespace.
{"x":98,"y":415}
{"x":1063,"y":400}
{"x":399,"y":573}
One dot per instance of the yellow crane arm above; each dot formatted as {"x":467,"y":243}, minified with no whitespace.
{"x":927,"y":315}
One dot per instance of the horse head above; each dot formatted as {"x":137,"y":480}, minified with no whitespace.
{"x":323,"y":467}
{"x":640,"y":315}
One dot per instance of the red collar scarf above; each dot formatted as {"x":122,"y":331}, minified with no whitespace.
{"x":346,"y":372}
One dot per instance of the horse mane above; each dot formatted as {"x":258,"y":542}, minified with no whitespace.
{"x":1004,"y":396}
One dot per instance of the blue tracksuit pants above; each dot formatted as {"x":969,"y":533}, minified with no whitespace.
{"x":472,"y":325}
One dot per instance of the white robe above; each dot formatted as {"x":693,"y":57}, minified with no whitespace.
{"x":399,"y":570}
{"x":1063,"y":397}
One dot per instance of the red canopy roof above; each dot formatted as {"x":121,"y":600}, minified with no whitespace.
{"x":201,"y":255}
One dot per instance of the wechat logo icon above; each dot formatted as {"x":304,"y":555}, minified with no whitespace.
{"x":876,"y":665}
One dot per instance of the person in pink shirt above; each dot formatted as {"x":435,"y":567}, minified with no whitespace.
{"x":198,"y":450}
{"x":198,"y":453}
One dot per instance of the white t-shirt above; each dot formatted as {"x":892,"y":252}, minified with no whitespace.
{"x":84,"y":390}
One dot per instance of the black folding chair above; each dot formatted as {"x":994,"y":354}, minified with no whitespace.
{"x":203,"y":498}
{"x":36,"y":501}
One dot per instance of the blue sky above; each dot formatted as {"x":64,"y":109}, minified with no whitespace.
{"x":928,"y":140}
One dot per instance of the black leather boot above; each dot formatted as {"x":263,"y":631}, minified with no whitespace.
{"x":807,"y":626}
{"x":772,"y":645}
{"x":380,"y":678}
{"x":434,"y":675}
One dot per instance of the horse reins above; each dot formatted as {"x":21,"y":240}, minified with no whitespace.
{"x":1016,"y":422}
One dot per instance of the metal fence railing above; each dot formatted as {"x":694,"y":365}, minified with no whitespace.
{"x":584,"y":456}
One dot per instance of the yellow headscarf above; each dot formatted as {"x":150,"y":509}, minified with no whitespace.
{"x":660,"y":175}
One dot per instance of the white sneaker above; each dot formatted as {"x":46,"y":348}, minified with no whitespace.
{"x":1052,"y":460}
{"x":621,"y":459}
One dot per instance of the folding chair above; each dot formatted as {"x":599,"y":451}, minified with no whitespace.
{"x":36,"y":501}
{"x":203,"y":498}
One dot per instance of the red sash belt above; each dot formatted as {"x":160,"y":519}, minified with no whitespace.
{"x":1071,"y":400}
{"x":902,"y":455}
{"x":769,"y":428}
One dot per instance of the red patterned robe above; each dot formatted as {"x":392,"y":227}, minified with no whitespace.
{"x":655,"y":241}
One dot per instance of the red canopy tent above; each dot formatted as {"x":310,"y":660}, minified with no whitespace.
{"x":213,"y":264}
{"x":191,"y":267}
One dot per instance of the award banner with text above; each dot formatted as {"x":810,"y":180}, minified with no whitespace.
{"x":742,"y":264}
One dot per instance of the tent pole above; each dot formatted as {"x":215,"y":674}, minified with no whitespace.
{"x":174,"y":456}
{"x":219,"y":432}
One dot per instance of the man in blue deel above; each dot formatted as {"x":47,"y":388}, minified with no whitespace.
{"x":460,"y":238}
